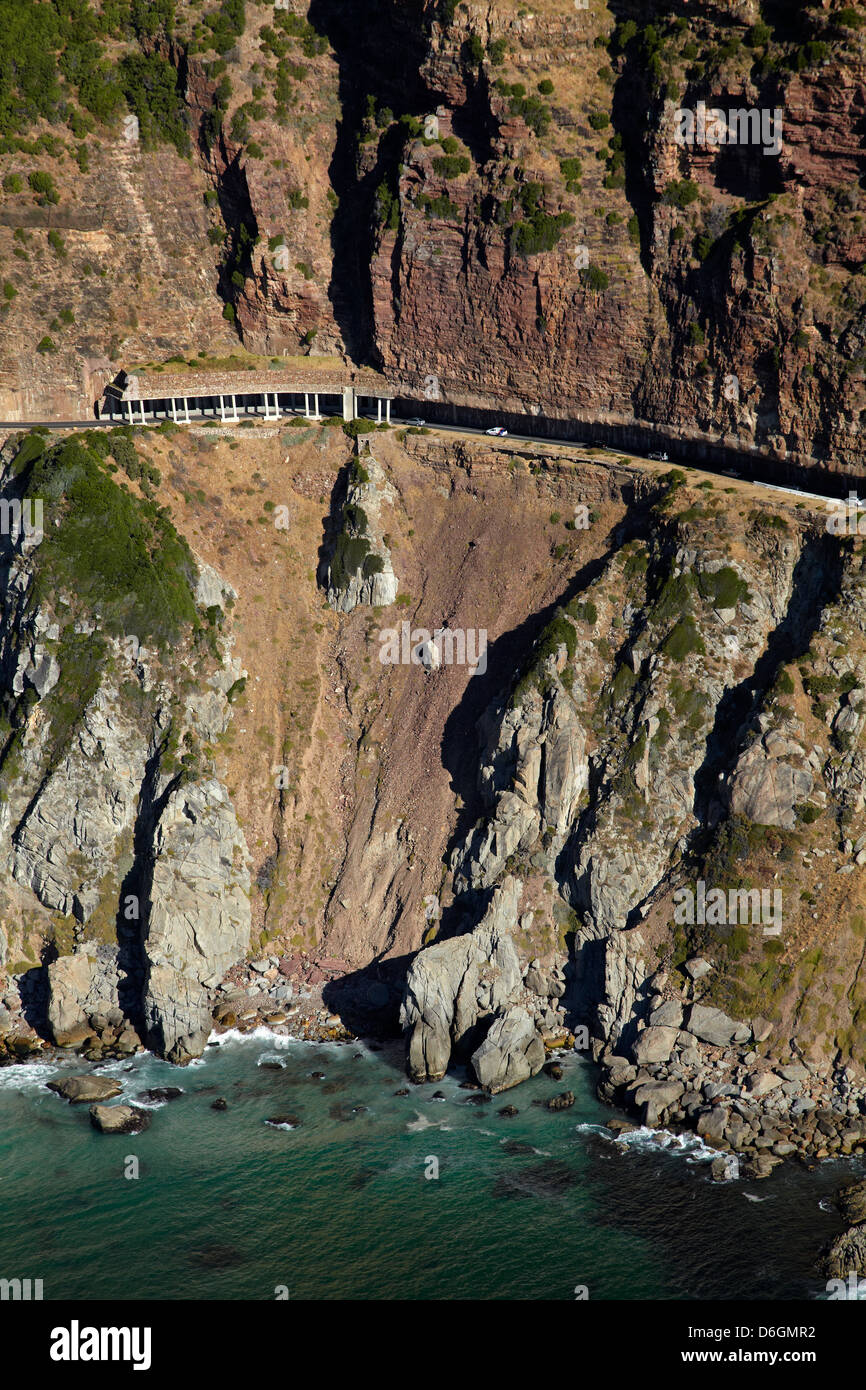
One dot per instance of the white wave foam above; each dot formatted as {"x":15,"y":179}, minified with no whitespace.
{"x":261,"y":1034}
{"x":420,"y":1123}
{"x":270,"y":1059}
{"x":26,"y":1075}
{"x":649,"y":1140}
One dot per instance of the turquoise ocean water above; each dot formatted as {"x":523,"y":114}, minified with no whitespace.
{"x":227,"y":1206}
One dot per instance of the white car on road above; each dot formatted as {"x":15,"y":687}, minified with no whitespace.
{"x":497,"y":430}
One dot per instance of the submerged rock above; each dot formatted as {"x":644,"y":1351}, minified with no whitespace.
{"x":561,"y":1102}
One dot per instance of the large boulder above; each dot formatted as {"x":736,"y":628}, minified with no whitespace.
{"x":119,"y":1119}
{"x":714,"y":1027}
{"x":761,"y":1083}
{"x":765,"y":788}
{"x":845,"y":1255}
{"x":851,"y":1202}
{"x":655,"y":1044}
{"x":667,"y":1015}
{"x":655,"y":1097}
{"x":511,"y":1052}
{"x":80,"y":986}
{"x":79,"y":1089}
{"x":453,"y":983}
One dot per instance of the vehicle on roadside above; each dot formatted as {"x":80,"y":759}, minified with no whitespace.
{"x":497,"y":430}
{"x":659,"y":458}
{"x":415,"y":420}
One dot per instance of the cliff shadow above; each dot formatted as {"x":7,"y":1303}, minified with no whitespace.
{"x":367,"y":1000}
{"x":379,"y":53}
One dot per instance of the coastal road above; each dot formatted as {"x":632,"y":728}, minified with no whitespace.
{"x":749,"y":461}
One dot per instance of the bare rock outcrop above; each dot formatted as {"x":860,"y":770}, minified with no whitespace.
{"x":80,"y":987}
{"x":360,"y":569}
{"x":512,"y":1052}
{"x":199,"y":919}
{"x":453,"y":984}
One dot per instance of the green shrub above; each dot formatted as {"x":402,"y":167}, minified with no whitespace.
{"x":683,"y":640}
{"x":594,"y":279}
{"x":112,"y":552}
{"x":153,"y":90}
{"x":532,"y":110}
{"x":359,"y":426}
{"x":350,"y":552}
{"x":724,"y":588}
{"x":599,"y":120}
{"x":767,"y":521}
{"x":545,"y":86}
{"x":42,"y":184}
{"x":387,"y":206}
{"x":449,"y":166}
{"x":441,"y":208}
{"x":680,"y":193}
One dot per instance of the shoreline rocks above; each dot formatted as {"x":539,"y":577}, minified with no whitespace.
{"x":707,"y":1077}
{"x":119,"y":1119}
{"x":78,"y":1090}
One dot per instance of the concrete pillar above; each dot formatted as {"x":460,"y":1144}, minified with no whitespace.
{"x":173,"y":410}
{"x":186,"y":408}
{"x":222,"y":409}
{"x":129,"y":410}
{"x":141,"y":407}
{"x":349,"y":403}
{"x":276,"y":405}
{"x":307,"y":404}
{"x":379,"y":409}
{"x":315,"y":405}
{"x":388,"y":411}
{"x":234,"y":410}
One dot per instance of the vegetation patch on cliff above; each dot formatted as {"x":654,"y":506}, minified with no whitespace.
{"x":116,"y":554}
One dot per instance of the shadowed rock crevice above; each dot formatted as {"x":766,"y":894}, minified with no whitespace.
{"x":380,"y":53}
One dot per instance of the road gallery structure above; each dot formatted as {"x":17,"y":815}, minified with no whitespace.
{"x":144,"y":397}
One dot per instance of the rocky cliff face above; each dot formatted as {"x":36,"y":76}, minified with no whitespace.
{"x":519,"y":230}
{"x":125,"y":866}
{"x":678,"y":723}
{"x":489,"y":202}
